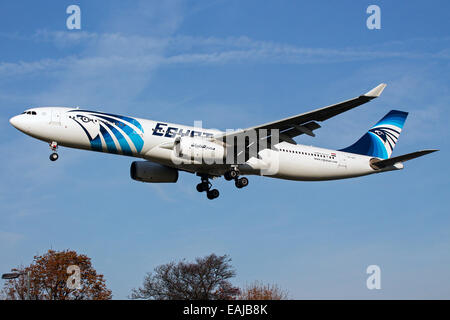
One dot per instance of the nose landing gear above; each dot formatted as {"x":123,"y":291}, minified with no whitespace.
{"x":54,"y":147}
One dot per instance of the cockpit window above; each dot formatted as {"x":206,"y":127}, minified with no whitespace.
{"x":30,"y":112}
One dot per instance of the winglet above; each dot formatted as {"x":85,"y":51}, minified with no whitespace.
{"x":375,"y":92}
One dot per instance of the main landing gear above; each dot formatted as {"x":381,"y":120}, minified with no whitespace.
{"x":233,"y":174}
{"x":54,"y":146}
{"x":205,"y":185}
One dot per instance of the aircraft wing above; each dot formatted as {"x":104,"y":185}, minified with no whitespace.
{"x":305,"y":123}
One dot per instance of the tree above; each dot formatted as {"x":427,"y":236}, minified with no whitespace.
{"x":205,"y":279}
{"x":49,"y":279}
{"x":260,"y":291}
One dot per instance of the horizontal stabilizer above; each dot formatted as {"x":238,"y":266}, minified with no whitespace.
{"x":380,"y":164}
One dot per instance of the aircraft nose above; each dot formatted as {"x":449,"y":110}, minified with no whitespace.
{"x":14,"y":121}
{"x":19,"y":123}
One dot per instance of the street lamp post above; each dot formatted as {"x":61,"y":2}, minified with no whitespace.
{"x":15,"y":275}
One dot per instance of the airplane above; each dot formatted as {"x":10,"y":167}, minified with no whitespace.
{"x":268,"y":149}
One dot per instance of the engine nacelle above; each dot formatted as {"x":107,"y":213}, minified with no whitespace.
{"x":147,"y":171}
{"x":199,"y":150}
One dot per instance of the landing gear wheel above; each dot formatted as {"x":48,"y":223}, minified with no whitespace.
{"x":212,"y":194}
{"x":205,"y":185}
{"x":227,"y":176}
{"x":233,"y":174}
{"x":54,"y":156}
{"x":202,"y":186}
{"x":241,"y":183}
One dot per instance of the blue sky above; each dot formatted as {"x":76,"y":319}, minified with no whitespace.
{"x":232,"y":64}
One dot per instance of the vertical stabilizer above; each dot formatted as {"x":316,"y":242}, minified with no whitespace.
{"x":380,"y":140}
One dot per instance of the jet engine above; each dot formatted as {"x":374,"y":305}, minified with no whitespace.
{"x":147,"y":171}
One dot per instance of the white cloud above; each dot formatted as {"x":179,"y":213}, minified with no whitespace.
{"x":21,"y":67}
{"x":108,"y":50}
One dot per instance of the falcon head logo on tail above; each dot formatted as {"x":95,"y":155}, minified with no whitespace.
{"x":380,"y":140}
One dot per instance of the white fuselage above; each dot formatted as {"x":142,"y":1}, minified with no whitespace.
{"x":146,"y":139}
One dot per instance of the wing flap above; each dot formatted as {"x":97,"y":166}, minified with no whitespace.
{"x":306,"y":128}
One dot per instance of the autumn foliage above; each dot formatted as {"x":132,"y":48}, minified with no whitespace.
{"x":49,"y":279}
{"x":260,"y":291}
